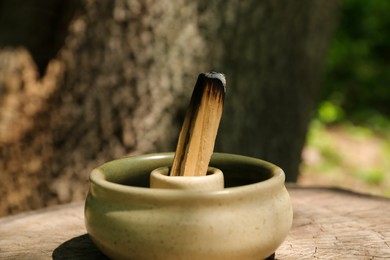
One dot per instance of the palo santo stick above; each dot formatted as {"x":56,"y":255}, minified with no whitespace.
{"x":197,"y":136}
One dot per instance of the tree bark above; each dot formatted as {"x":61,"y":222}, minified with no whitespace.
{"x":273,"y":55}
{"x":122,"y":73}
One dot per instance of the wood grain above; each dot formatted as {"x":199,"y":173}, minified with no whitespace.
{"x":337,"y":224}
{"x":328,"y":224}
{"x":197,"y":136}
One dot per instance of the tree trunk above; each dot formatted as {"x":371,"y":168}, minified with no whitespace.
{"x":273,"y":55}
{"x":119,"y":75}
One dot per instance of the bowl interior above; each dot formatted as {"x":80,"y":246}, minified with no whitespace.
{"x":238,"y":170}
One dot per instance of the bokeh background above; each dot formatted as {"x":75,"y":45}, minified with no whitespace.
{"x":85,"y":82}
{"x":349,"y":140}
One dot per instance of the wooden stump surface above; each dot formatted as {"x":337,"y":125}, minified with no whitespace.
{"x":328,"y":224}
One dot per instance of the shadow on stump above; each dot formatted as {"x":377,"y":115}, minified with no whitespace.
{"x":78,"y":248}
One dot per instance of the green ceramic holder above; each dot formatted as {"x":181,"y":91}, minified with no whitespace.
{"x":248,"y":219}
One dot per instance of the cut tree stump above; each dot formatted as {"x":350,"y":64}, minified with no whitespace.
{"x":328,"y":224}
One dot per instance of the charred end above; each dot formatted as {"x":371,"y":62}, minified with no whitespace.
{"x":213,"y":83}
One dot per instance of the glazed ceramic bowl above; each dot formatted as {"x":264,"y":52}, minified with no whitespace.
{"x":248,"y":219}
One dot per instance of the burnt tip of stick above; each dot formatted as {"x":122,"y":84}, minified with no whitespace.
{"x":217,"y":76}
{"x":212,"y":82}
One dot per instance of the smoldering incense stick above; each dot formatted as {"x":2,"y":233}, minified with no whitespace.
{"x":197,"y":136}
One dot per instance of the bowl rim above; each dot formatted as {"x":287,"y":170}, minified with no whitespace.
{"x":98,"y":178}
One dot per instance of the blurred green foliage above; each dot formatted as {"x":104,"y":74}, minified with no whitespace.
{"x":358,"y":66}
{"x":335,"y":163}
{"x":356,"y":96}
{"x":375,"y":176}
{"x":329,"y":113}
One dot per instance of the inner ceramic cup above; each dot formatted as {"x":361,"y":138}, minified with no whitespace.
{"x":213,"y":180}
{"x":248,"y":219}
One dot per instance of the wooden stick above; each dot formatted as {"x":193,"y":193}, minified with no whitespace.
{"x":197,"y":136}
